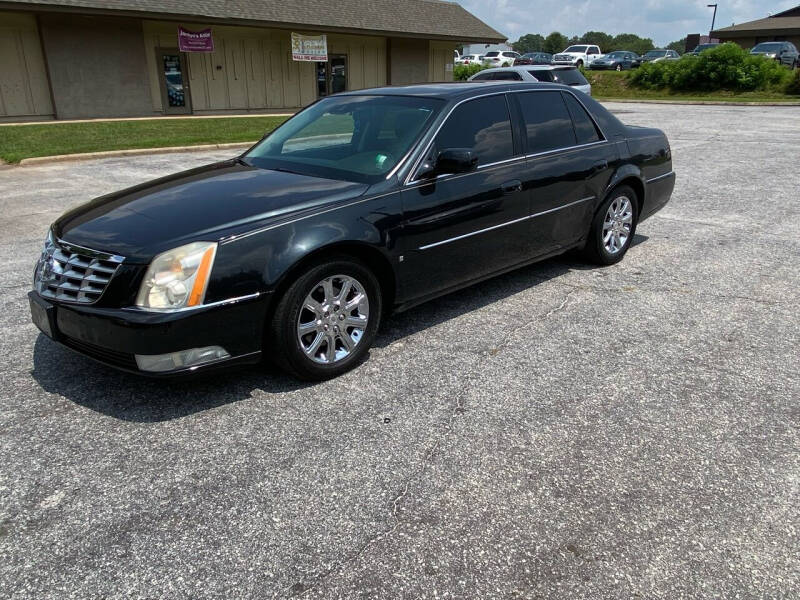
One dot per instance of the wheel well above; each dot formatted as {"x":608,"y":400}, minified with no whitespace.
{"x":637,"y":186}
{"x":368,"y":255}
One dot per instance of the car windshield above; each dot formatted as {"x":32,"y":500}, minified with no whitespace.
{"x":702,"y":47}
{"x":615,"y":55}
{"x":656,"y":53}
{"x":351,"y":138}
{"x":576,"y":49}
{"x":770,"y":47}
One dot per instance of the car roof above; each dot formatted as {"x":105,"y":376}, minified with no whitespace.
{"x":454,"y":90}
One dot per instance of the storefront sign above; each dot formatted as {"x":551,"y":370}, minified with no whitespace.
{"x":195,"y":41}
{"x":310,"y":47}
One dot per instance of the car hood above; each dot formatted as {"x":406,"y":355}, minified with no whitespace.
{"x":207,"y":203}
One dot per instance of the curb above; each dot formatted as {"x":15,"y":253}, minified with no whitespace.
{"x":699,"y":102}
{"x":39,"y":160}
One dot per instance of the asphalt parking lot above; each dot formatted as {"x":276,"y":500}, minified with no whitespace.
{"x":559,"y":432}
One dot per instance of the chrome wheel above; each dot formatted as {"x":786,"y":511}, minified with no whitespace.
{"x":333,"y":319}
{"x":618,"y":224}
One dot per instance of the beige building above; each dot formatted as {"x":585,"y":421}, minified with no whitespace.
{"x":96,"y":58}
{"x":780,"y":27}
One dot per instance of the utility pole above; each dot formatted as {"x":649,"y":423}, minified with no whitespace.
{"x":714,"y":18}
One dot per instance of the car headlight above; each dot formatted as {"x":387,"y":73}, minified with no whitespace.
{"x":771,"y":54}
{"x":177,"y":278}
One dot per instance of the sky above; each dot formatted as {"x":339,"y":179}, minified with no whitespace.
{"x":662,"y":20}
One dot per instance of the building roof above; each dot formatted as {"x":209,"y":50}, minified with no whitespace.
{"x":787,"y":21}
{"x":434,"y":19}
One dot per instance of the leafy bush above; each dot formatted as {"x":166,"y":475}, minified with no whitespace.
{"x":464,"y":72}
{"x":726,"y":67}
{"x":793,"y":85}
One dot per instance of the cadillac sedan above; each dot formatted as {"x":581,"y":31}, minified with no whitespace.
{"x":362,"y":204}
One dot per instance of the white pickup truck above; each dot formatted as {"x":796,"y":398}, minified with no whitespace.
{"x":579,"y":55}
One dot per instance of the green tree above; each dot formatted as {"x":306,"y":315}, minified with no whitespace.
{"x":632,"y":42}
{"x":598,"y":38}
{"x":679,"y":46}
{"x":531,"y":42}
{"x":555,"y":42}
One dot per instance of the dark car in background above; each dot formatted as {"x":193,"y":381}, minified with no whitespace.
{"x":533,"y":58}
{"x":617,"y":61}
{"x":784,"y":52}
{"x":702,"y":47}
{"x":363,"y":203}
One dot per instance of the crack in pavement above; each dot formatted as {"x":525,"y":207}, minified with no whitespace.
{"x":302,"y":589}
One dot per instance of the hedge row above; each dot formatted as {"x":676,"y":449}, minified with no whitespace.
{"x":726,"y":67}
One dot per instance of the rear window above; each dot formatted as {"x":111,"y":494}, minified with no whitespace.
{"x":492,"y":54}
{"x":542,"y":74}
{"x":507,"y":76}
{"x":483,"y":76}
{"x":569,"y":77}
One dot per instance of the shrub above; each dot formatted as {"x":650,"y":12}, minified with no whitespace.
{"x":464,"y":72}
{"x":727,"y":67}
{"x":793,"y":85}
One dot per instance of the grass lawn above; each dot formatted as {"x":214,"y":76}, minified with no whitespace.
{"x":26,"y":141}
{"x":611,"y":85}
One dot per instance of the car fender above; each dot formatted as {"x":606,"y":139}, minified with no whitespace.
{"x":626,"y":172}
{"x":260,"y":260}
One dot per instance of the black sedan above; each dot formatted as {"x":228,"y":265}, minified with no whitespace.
{"x":534,"y":58}
{"x":363,"y":203}
{"x":617,"y":61}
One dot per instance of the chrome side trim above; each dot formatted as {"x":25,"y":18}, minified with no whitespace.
{"x":191,"y":308}
{"x":565,"y":149}
{"x":533,"y":216}
{"x":660,"y":177}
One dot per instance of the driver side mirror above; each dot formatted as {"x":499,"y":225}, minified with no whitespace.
{"x":451,"y":161}
{"x":455,"y":160}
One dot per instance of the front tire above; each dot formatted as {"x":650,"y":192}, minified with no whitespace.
{"x":613,"y":227}
{"x":326,"y":321}
{"x":579,"y":64}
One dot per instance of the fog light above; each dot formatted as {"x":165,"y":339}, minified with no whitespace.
{"x":160,"y":363}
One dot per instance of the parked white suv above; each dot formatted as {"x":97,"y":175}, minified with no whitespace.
{"x":496,"y":58}
{"x":578,"y":56}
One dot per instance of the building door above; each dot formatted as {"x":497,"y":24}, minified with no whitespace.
{"x":332,"y":75}
{"x":174,"y":79}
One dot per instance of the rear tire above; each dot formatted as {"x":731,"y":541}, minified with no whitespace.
{"x":613,"y":227}
{"x":326,"y":321}
{"x":619,"y":67}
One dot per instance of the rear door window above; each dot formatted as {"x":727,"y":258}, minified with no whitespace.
{"x":585,"y":130}
{"x":482,"y":125}
{"x":548,"y":125}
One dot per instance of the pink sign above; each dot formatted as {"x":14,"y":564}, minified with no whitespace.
{"x":195,"y":41}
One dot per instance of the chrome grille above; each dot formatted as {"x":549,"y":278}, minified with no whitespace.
{"x":70,"y":273}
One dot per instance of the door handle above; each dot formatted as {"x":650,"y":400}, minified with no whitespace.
{"x":599,"y":166}
{"x":509,"y":187}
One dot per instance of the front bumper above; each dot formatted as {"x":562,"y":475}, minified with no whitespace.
{"x":115,"y":336}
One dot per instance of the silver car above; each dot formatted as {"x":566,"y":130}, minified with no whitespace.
{"x":570,"y":76}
